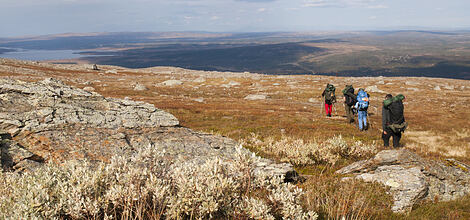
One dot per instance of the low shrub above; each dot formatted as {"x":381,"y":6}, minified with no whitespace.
{"x":301,"y":153}
{"x":149,"y":186}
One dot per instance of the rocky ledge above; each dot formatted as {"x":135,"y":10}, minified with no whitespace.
{"x":413,"y":179}
{"x":50,"y":121}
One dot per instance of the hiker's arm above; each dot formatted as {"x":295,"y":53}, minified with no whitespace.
{"x":350,"y":94}
{"x":385,"y":116}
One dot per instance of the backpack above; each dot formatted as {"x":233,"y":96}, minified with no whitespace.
{"x":363,"y":100}
{"x":397,"y":119}
{"x":330,"y":93}
{"x":347,"y":92}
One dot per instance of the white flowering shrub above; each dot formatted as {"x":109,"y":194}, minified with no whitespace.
{"x":301,"y":153}
{"x":149,"y":186}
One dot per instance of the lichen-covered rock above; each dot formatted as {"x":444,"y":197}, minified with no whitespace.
{"x":56,"y":122}
{"x":49,"y":103}
{"x":411,"y":178}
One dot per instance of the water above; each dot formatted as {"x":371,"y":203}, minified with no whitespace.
{"x":40,"y":55}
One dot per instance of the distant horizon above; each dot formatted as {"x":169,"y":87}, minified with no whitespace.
{"x":36,"y":18}
{"x":410,"y":29}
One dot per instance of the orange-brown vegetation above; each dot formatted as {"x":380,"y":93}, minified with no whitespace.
{"x":438,"y":118}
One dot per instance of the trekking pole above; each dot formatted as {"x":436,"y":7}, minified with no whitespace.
{"x":334,"y":107}
{"x":321,"y":107}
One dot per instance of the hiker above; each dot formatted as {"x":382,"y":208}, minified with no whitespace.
{"x":393,"y":120}
{"x":330,"y":98}
{"x":349,"y":102}
{"x":361,"y":106}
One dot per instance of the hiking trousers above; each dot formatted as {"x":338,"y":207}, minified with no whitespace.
{"x":328,"y":109}
{"x":390,"y":133}
{"x":349,"y":113}
{"x":362,"y":119}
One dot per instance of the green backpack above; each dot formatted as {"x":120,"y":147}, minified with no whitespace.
{"x":387,"y":102}
{"x":330,"y":93}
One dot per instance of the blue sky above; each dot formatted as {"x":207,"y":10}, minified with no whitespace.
{"x":39,"y":17}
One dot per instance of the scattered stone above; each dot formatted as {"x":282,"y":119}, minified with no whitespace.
{"x":200,"y":80}
{"x":312,"y":100}
{"x":413,"y":89}
{"x":89,"y":89}
{"x":381,"y":82}
{"x":140,"y":87}
{"x":412,"y":83}
{"x":199,"y":100}
{"x":449,"y":87}
{"x":255,"y":97}
{"x":113,"y":71}
{"x":373,"y":89}
{"x":233,"y":83}
{"x":413,"y":179}
{"x":437,"y":88}
{"x":172,"y":82}
{"x":276,"y":84}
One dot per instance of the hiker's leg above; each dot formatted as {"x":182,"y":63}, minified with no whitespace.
{"x":365,"y":120}
{"x":329,"y":108}
{"x":386,"y":137}
{"x":326,"y":108}
{"x":396,"y":139}
{"x":361,"y":119}
{"x":349,"y":113}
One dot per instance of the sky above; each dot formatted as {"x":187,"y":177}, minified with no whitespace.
{"x":41,"y":17}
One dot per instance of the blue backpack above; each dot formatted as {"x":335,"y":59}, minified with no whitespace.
{"x":363,"y":100}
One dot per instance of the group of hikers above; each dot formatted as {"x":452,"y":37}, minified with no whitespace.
{"x":393,"y":119}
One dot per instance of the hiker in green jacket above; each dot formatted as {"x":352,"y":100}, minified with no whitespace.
{"x":393,"y":119}
{"x":329,"y":97}
{"x":349,"y":102}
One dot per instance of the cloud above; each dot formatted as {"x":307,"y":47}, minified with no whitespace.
{"x":255,"y":0}
{"x":370,"y":4}
{"x":215,"y":18}
{"x":261,"y":9}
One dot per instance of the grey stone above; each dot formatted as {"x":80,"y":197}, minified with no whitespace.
{"x":113,"y":71}
{"x":200,"y":80}
{"x":255,"y":97}
{"x":140,"y":87}
{"x":373,"y":89}
{"x":413,"y":179}
{"x":89,"y":89}
{"x":172,"y":82}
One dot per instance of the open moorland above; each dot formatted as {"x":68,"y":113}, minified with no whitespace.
{"x":269,"y":112}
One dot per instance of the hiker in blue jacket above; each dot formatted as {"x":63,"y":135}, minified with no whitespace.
{"x":361,"y":106}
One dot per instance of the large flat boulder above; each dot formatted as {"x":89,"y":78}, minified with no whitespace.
{"x":413,"y":179}
{"x":51,"y":121}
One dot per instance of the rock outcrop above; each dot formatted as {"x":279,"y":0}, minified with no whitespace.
{"x":50,"y":121}
{"x":413,"y":179}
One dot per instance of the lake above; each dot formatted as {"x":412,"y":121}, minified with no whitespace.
{"x":40,"y":55}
